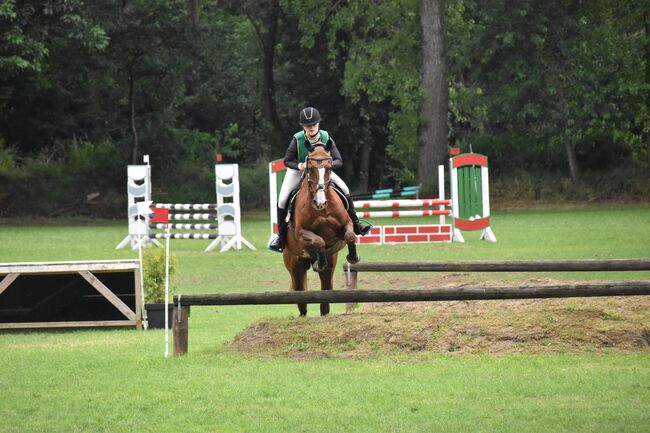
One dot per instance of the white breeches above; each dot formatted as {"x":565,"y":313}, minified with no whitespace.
{"x":292,"y":180}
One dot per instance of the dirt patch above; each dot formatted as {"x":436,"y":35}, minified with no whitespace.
{"x":574,"y":325}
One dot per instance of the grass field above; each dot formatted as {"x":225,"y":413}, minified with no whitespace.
{"x":118,"y":380}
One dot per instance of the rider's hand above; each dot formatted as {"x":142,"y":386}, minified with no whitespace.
{"x":301,"y":166}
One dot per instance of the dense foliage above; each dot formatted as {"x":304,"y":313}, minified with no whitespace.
{"x":546,"y":89}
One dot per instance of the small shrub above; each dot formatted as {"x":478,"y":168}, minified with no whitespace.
{"x":154,"y":274}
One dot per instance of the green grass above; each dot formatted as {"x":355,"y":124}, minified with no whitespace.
{"x":118,"y":380}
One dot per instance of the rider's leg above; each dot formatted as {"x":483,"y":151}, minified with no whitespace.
{"x":359,"y":229}
{"x":278,"y":243}
{"x":290,"y":182}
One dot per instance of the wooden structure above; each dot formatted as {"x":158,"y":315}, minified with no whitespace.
{"x":605,"y":265}
{"x":182,"y":303}
{"x":70,"y":294}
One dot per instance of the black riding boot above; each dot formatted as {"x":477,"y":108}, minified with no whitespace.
{"x":359,"y":229}
{"x":280,"y":241}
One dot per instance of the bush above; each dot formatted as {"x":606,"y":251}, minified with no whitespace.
{"x":523,"y":188}
{"x":46,"y":185}
{"x":154,"y":274}
{"x":7,"y":158}
{"x":254,"y":186}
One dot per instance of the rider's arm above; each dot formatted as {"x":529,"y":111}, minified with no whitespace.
{"x":291,"y":157}
{"x":337,"y":161}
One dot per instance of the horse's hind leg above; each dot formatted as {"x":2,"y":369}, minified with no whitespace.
{"x":327,"y":282}
{"x":304,"y":267}
{"x":297,"y":268}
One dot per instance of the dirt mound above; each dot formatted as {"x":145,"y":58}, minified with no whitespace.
{"x":576,"y":325}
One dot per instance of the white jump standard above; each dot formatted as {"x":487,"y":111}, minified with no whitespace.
{"x":224,"y":216}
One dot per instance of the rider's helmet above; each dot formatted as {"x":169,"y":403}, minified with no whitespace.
{"x":309,"y":116}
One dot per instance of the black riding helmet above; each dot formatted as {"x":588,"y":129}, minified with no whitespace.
{"x":309,"y":116}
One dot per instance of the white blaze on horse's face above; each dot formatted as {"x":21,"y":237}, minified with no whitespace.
{"x":320,"y":199}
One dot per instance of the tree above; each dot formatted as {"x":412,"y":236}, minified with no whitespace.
{"x":34,"y":37}
{"x":563,"y":81}
{"x":434,"y":103}
{"x":646,"y":22}
{"x":264,"y":17}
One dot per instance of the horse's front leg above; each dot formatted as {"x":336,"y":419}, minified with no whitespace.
{"x":350,"y":239}
{"x":315,"y":245}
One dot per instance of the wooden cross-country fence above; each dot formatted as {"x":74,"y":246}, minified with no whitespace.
{"x":182,"y":303}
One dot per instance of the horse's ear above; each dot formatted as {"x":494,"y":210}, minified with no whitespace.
{"x":313,"y":147}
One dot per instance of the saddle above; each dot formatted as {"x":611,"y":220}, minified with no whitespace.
{"x":292,"y":199}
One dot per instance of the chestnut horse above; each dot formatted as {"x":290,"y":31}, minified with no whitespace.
{"x":319,"y":227}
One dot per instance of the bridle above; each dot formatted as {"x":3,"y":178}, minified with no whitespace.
{"x":318,"y":186}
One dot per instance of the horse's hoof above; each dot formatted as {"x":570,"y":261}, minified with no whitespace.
{"x":352,"y":259}
{"x":317,"y":266}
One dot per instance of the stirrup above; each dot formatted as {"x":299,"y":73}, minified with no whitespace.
{"x":363,"y":229}
{"x":276,"y":245}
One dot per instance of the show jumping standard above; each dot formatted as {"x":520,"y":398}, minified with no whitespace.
{"x":224,"y":227}
{"x":470,"y":195}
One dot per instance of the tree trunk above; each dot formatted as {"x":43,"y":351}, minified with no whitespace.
{"x":193,"y":80}
{"x":571,"y":157}
{"x":432,"y":130}
{"x":364,"y":166}
{"x":278,"y":144}
{"x":94,"y":109}
{"x":193,"y":10}
{"x":134,"y":131}
{"x":646,"y":19}
{"x":6,"y":91}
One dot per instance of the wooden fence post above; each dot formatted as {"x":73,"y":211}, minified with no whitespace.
{"x":350,"y":284}
{"x":180,"y":327}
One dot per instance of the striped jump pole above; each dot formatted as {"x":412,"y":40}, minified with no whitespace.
{"x":179,"y":226}
{"x":186,"y":206}
{"x":401,"y":203}
{"x":403,"y":213}
{"x":407,"y":191}
{"x":184,"y":236}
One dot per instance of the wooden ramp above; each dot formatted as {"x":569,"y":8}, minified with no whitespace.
{"x":70,"y":294}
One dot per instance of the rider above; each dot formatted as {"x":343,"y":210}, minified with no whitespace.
{"x":294,"y":159}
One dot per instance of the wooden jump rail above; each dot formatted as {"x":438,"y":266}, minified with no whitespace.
{"x":182,"y":303}
{"x":504,"y":266}
{"x":603,"y":265}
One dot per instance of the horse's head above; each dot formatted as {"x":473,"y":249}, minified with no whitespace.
{"x":318,"y":168}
